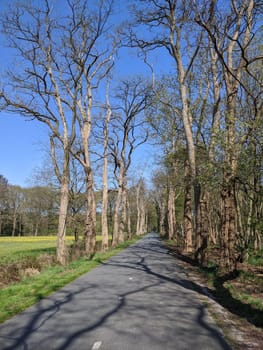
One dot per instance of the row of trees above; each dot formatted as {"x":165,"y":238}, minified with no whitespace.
{"x":207,"y":113}
{"x":65,"y":64}
{"x":212,"y":106}
{"x":34,"y":210}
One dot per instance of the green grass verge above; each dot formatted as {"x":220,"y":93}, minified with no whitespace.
{"x":17,"y":297}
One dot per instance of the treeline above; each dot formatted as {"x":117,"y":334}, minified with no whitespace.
{"x":27,"y":211}
{"x":34,"y":211}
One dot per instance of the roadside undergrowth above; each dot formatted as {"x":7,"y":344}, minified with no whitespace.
{"x":236,"y":300}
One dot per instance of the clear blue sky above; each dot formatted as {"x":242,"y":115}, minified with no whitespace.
{"x":23,"y":143}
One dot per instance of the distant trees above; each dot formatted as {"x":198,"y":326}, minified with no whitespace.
{"x":3,"y":201}
{"x":28,"y":211}
{"x":127,"y":134}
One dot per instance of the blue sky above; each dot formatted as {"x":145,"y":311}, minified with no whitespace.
{"x":23,"y":143}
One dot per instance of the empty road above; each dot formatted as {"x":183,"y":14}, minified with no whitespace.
{"x":137,"y":300}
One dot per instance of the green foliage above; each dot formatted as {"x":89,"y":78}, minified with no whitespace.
{"x":256,"y":258}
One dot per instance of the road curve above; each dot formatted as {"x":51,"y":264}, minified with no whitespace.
{"x":137,"y":300}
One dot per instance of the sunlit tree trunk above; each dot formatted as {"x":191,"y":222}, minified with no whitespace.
{"x":62,"y":251}
{"x":129,"y":231}
{"x":162,"y":212}
{"x":123,"y":219}
{"x":202,"y":230}
{"x":85,"y":125}
{"x":117,"y":209}
{"x":104,"y":212}
{"x":171,"y":213}
{"x":138,"y":191}
{"x":229,"y":210}
{"x":187,"y":219}
{"x":14,"y":222}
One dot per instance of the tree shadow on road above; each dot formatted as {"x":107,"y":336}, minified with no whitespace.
{"x":147,"y":258}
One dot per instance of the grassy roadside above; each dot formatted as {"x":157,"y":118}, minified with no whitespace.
{"x":17,"y":297}
{"x":235,"y":301}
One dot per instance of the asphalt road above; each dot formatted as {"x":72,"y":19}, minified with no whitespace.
{"x":137,"y":300}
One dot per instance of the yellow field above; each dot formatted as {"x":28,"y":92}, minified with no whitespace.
{"x":32,"y":239}
{"x":15,"y":248}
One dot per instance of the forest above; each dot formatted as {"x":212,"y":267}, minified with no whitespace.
{"x":204,"y":118}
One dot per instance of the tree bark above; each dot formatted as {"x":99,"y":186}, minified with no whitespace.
{"x":123,"y":221}
{"x":90,"y":224}
{"x":187,"y":219}
{"x":104,"y":212}
{"x":202,"y":231}
{"x":171,"y":213}
{"x":162,"y":210}
{"x":117,"y":210}
{"x":14,"y":223}
{"x":129,"y":232}
{"x":62,"y":251}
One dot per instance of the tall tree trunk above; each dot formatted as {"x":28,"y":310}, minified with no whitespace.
{"x":229,"y":210}
{"x":162,"y":209}
{"x":104,"y":212}
{"x":62,"y":251}
{"x":129,"y":232}
{"x":143,"y":219}
{"x":187,"y":219}
{"x":171,"y":213}
{"x":228,"y":230}
{"x":117,"y":209}
{"x":138,"y":224}
{"x":64,"y":179}
{"x":90,"y":224}
{"x":14,"y":223}
{"x":141,"y":214}
{"x":202,"y":230}
{"x":123,"y":221}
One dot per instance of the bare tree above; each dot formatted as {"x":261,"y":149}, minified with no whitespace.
{"x":133,"y":98}
{"x":169,"y":21}
{"x":93,"y":60}
{"x":104,"y":211}
{"x":63,"y":59}
{"x":38,"y":88}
